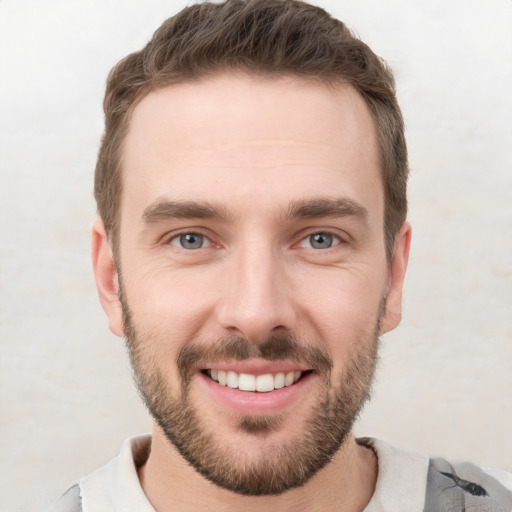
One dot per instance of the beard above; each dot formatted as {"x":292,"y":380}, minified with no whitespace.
{"x":279,"y":466}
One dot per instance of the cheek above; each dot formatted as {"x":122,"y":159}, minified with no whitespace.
{"x":171,"y":304}
{"x":343,"y":305}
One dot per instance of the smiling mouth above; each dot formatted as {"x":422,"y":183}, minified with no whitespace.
{"x":260,"y":383}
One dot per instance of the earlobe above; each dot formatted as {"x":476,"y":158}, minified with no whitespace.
{"x":106,"y":276}
{"x":396,"y":276}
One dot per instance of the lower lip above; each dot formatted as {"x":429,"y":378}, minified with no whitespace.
{"x":253,"y":402}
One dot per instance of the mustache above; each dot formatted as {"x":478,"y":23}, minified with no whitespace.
{"x":277,"y":347}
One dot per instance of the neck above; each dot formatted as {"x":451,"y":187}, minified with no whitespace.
{"x":346,"y":483}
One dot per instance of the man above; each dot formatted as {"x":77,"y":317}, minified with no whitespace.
{"x":252,"y":248}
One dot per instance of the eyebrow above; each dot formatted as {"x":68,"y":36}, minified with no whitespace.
{"x":164,"y":209}
{"x":326,"y":207}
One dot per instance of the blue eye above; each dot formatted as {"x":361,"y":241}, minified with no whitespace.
{"x":190,"y":241}
{"x":320,"y":241}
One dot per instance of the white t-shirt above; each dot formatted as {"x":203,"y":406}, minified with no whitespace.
{"x":404,"y":481}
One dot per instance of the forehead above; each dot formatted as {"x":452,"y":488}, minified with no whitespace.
{"x":235,"y":136}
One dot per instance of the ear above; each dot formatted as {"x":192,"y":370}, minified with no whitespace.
{"x":396,"y":276}
{"x":106,"y":276}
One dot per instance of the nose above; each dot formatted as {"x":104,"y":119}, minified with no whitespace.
{"x":256,"y":295}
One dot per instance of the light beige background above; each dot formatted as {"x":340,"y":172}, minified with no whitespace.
{"x":66,"y":397}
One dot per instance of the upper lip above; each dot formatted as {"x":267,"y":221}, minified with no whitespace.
{"x":257,"y":366}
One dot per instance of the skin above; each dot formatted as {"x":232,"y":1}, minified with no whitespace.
{"x":253,"y":147}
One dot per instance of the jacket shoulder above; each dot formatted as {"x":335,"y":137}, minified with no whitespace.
{"x":69,"y":501}
{"x":461,"y":487}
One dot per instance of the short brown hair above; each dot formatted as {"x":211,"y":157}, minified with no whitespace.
{"x":265,"y":37}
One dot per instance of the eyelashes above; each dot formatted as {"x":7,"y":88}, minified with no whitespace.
{"x":318,"y":241}
{"x":190,"y":241}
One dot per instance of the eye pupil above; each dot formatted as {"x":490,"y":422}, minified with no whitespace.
{"x":191,"y":241}
{"x":321,"y":240}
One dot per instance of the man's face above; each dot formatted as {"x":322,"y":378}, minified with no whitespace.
{"x":252,"y":249}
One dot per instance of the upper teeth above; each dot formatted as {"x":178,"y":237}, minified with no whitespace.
{"x":248,"y":382}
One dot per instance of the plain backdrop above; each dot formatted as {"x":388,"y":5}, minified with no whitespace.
{"x":444,"y":382}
